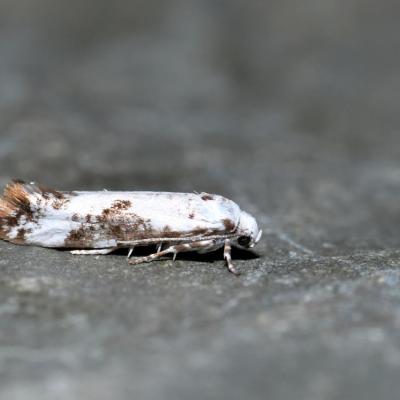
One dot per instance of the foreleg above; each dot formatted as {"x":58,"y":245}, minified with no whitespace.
{"x":228,"y":258}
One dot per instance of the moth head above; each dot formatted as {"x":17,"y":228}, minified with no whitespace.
{"x":248,"y":232}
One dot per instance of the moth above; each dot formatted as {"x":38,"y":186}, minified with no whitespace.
{"x":100,"y":222}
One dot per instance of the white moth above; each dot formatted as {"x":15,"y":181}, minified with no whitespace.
{"x":100,"y":222}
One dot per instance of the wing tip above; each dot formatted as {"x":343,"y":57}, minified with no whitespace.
{"x":22,"y":199}
{"x":15,"y":197}
{"x":14,"y":203}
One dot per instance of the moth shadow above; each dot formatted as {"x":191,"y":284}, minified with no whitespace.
{"x":216,"y":255}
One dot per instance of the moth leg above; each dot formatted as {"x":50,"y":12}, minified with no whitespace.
{"x":150,"y":257}
{"x":130,"y":252}
{"x":228,"y":258}
{"x":159,"y":247}
{"x":93,"y":251}
{"x":174,"y":250}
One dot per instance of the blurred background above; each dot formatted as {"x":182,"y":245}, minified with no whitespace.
{"x":289,"y":108}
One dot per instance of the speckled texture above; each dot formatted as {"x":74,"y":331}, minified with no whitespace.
{"x":291,"y":111}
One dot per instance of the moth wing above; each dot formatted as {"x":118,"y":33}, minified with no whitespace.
{"x":33,"y":214}
{"x":146,"y":215}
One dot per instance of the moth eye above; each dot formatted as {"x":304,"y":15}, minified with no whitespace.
{"x":244,"y":240}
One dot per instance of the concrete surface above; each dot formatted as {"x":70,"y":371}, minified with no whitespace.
{"x":289,"y":109}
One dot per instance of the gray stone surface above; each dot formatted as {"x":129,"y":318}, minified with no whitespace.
{"x":289,"y":109}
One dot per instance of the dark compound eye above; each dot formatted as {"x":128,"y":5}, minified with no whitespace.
{"x":244,"y":240}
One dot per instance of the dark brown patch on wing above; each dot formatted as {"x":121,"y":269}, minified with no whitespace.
{"x":57,"y":204}
{"x":21,"y":234}
{"x":229,"y":224}
{"x":107,"y":211}
{"x":54,"y":197}
{"x":114,"y":223}
{"x":191,"y":215}
{"x":49,"y":193}
{"x":121,"y":204}
{"x":75,"y":217}
{"x":207,"y":196}
{"x":76,"y":235}
{"x":80,"y":238}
